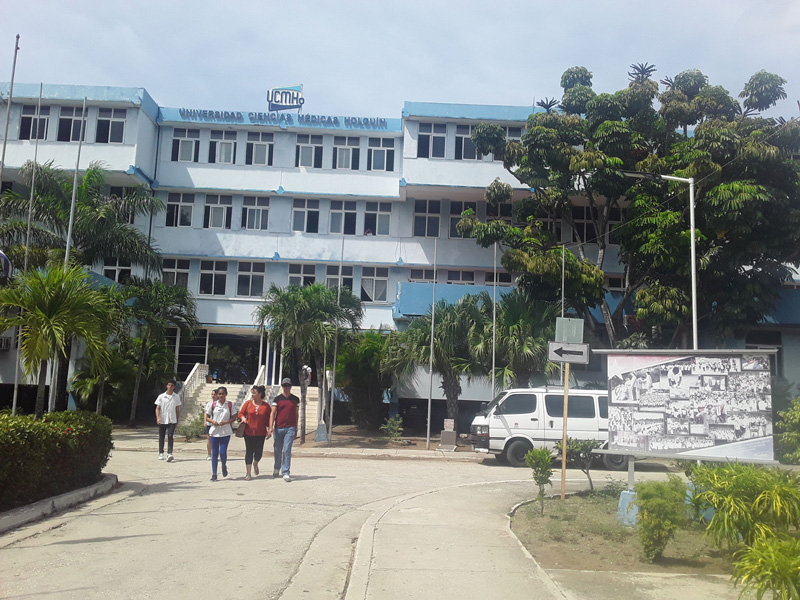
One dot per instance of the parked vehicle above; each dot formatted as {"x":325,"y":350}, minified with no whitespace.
{"x":520,"y":419}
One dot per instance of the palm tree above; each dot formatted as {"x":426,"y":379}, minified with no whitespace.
{"x":454,"y":326}
{"x":524,"y":327}
{"x":52,"y":307}
{"x":641,"y":72}
{"x":156,"y":307}
{"x":301,"y":317}
{"x":101,"y":228}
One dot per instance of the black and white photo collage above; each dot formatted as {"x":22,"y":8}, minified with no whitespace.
{"x":690,"y":403}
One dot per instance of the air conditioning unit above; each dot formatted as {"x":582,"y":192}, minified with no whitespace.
{"x":5,"y":343}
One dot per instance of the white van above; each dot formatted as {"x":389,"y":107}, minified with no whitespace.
{"x":520,"y":419}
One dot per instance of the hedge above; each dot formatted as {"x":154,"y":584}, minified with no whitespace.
{"x":62,"y":452}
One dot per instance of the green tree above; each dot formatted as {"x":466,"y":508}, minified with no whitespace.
{"x":540,"y":460}
{"x":302,"y":318}
{"x":359,"y":373}
{"x":788,"y":442}
{"x":454,"y":326}
{"x":155,"y":307}
{"x":54,"y":306}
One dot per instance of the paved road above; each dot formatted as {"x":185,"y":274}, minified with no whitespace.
{"x":353,"y":528}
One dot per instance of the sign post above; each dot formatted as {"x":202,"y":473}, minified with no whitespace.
{"x":564,"y":435}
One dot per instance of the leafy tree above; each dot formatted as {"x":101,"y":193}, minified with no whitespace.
{"x":579,"y":454}
{"x":302,"y":317}
{"x":541,"y":461}
{"x":155,"y":307}
{"x":454,"y":325}
{"x":358,"y":372}
{"x":789,"y":440}
{"x":662,"y":511}
{"x":54,"y":306}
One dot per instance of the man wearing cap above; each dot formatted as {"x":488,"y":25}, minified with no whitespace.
{"x":284,"y":428}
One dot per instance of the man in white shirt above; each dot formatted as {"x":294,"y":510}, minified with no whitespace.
{"x":168,"y":409}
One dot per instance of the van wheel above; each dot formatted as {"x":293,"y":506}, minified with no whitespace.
{"x":501,"y":458}
{"x":516,"y":451}
{"x":615,"y":462}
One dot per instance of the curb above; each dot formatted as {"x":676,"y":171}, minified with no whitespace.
{"x":44,"y":508}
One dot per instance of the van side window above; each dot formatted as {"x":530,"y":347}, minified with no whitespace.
{"x":580,"y":407}
{"x":518,"y":404}
{"x":602,"y":404}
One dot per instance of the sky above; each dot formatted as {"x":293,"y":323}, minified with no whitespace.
{"x":367,"y":57}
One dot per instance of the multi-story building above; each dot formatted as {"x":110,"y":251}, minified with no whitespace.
{"x":255,"y":198}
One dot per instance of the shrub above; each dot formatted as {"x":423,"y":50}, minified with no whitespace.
{"x":579,"y":454}
{"x":770,"y":565}
{"x":661,"y":513}
{"x":393,"y":427}
{"x":788,"y":442}
{"x":541,"y":461}
{"x":62,"y":452}
{"x":193,"y":429}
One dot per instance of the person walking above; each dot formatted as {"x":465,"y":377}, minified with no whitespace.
{"x":208,"y":426}
{"x":219,"y":415}
{"x":255,"y":416}
{"x":168,"y":410}
{"x":284,"y":427}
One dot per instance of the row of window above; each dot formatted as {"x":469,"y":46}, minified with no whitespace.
{"x":110,"y":128}
{"x":432,"y":141}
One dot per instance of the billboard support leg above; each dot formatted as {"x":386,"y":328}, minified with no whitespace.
{"x":631,"y":463}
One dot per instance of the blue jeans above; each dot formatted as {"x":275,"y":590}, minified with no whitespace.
{"x":284,"y":438}
{"x":219,"y":451}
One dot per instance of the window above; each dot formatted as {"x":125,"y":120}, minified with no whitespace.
{"x":456,"y":208}
{"x":185,"y":145}
{"x":213,"y":276}
{"x":305,"y":216}
{"x":111,"y":126}
{"x":465,"y":147}
{"x":377,"y":218}
{"x":513,"y":134}
{"x":176,"y":272}
{"x":461,"y":277}
{"x":615,"y":283}
{"x":179,"y":210}
{"x":503,"y":278}
{"x":121,"y":193}
{"x":71,"y":125}
{"x":421,"y":275}
{"x":426,"y":218}
{"x":222,"y":148}
{"x":498,"y":212}
{"x":218,"y":212}
{"x":580,"y":407}
{"x":251,"y":279}
{"x":302,"y":275}
{"x":583,"y":225}
{"x":29,"y":127}
{"x":343,"y":217}
{"x":380,"y":156}
{"x":517,"y":404}
{"x":309,"y":151}
{"x":255,"y":213}
{"x":374,"y":283}
{"x":332,"y":276}
{"x":431,"y":140}
{"x":260,"y":148}
{"x":615,"y":217}
{"x":117,"y":270}
{"x":345,"y":152}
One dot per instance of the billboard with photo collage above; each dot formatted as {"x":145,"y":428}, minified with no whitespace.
{"x":693,"y":406}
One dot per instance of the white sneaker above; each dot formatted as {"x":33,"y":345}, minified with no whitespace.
{"x":169,"y":457}
{"x":286,"y":478}
{"x":208,"y":458}
{"x":160,"y":457}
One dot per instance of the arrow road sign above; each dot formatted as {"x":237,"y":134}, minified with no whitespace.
{"x":568,"y":353}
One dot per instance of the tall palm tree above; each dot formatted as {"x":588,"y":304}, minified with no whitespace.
{"x":155,"y":307}
{"x":524,"y":327}
{"x":454,"y":326}
{"x":301,"y":317}
{"x":52,"y":307}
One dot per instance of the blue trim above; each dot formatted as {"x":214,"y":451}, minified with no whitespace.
{"x":279,"y":192}
{"x":137,"y":172}
{"x":404,"y":183}
{"x":413,"y":299}
{"x":476,"y":112}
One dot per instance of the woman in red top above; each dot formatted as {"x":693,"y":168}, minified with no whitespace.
{"x":255,"y":414}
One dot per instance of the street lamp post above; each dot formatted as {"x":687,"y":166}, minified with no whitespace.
{"x":690,"y":181}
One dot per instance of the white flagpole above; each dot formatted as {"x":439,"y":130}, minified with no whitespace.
{"x":8,"y":108}
{"x":335,"y":346}
{"x":494,"y":323}
{"x":27,"y":246}
{"x":75,"y":186}
{"x":430,"y":361}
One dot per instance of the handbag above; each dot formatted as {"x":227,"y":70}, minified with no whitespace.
{"x":240,"y":429}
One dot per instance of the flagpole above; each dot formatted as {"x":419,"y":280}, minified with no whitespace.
{"x":27,"y":246}
{"x":430,"y":361}
{"x":335,"y":346}
{"x":75,"y":186}
{"x":8,"y":108}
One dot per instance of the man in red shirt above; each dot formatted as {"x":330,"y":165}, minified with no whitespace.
{"x":284,"y":428}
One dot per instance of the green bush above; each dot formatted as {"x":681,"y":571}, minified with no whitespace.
{"x":62,"y":452}
{"x":393,"y":427}
{"x":541,"y":461}
{"x":787,"y":443}
{"x":579,"y":454}
{"x":193,"y":429}
{"x":770,"y":565}
{"x":661,"y":513}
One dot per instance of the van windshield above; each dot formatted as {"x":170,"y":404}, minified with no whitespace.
{"x":492,"y":404}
